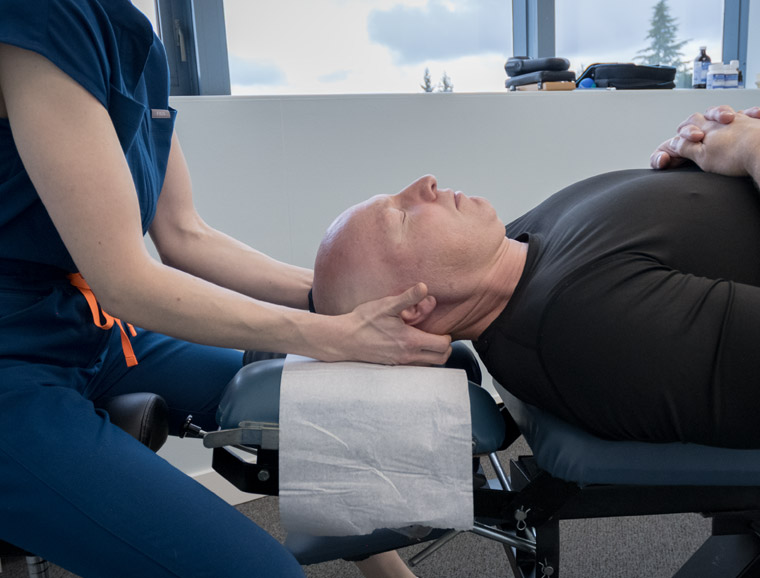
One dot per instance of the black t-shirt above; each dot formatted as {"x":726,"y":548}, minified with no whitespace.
{"x":638,"y":313}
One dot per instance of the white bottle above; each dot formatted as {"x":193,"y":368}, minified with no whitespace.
{"x":716,"y":76}
{"x":710,"y":77}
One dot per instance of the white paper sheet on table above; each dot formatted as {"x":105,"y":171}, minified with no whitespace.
{"x":366,"y":446}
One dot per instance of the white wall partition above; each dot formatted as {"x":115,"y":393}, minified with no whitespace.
{"x":274,"y":172}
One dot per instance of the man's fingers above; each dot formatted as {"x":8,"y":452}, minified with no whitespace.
{"x":691,"y":132}
{"x":665,"y":157}
{"x":692,"y":127}
{"x":695,"y":119}
{"x":723,"y":114}
{"x":659,"y":159}
{"x":683,"y":148}
{"x":663,"y":160}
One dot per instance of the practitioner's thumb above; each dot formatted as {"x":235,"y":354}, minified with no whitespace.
{"x":410,"y":297}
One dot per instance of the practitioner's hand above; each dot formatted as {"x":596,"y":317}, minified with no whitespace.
{"x":377,"y":334}
{"x":720,"y":141}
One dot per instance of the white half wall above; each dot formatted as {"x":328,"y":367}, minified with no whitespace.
{"x":275,"y":171}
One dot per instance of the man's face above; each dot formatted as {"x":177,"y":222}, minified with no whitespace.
{"x":423,"y":233}
{"x":436,"y":231}
{"x":390,"y":242}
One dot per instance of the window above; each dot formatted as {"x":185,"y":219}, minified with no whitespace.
{"x":367,"y":46}
{"x":376,"y":46}
{"x":148,"y":7}
{"x":589,"y":31}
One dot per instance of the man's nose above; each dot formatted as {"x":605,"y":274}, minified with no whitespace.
{"x":425,"y":188}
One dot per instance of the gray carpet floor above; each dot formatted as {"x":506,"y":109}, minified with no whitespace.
{"x":648,"y":546}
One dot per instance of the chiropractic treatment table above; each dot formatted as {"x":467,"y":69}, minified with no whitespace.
{"x":571,"y":475}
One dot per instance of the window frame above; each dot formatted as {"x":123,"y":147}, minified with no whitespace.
{"x":736,"y":32}
{"x":205,"y":67}
{"x":196,"y":46}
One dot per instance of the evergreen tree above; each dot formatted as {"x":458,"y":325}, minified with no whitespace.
{"x":446,"y":84}
{"x":428,"y":84}
{"x":663,"y":32}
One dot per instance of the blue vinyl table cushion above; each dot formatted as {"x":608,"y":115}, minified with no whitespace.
{"x":572,"y":454}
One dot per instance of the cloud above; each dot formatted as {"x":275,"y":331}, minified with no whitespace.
{"x":247,"y":71}
{"x":336,"y":76}
{"x":442,"y":30}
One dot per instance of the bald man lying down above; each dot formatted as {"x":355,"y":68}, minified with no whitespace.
{"x":627,"y":304}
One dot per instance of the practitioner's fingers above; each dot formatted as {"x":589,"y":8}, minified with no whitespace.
{"x":381,"y":333}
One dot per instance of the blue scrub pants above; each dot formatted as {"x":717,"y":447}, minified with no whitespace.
{"x":76,"y":489}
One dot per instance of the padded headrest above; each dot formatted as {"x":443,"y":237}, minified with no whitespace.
{"x":254,"y":395}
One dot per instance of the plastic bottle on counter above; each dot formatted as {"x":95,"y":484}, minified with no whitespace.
{"x":731,"y":79}
{"x":716,"y":76}
{"x":701,"y":65}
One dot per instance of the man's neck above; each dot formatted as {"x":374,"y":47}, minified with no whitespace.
{"x":493,"y":292}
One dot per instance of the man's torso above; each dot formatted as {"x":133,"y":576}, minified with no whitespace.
{"x":619,"y":316}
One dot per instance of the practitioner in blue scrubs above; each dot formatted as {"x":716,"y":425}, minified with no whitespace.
{"x":86,"y":146}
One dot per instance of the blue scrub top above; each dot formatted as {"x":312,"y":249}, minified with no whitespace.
{"x":109,"y":48}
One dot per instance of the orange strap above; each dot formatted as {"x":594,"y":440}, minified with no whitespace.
{"x":78,"y":281}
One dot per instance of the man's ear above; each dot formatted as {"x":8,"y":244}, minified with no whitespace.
{"x":416,"y":314}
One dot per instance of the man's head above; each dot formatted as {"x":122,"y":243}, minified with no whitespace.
{"x":385,"y":245}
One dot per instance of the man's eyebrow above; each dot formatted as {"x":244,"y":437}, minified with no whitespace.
{"x":381,"y":204}
{"x":387,"y":213}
